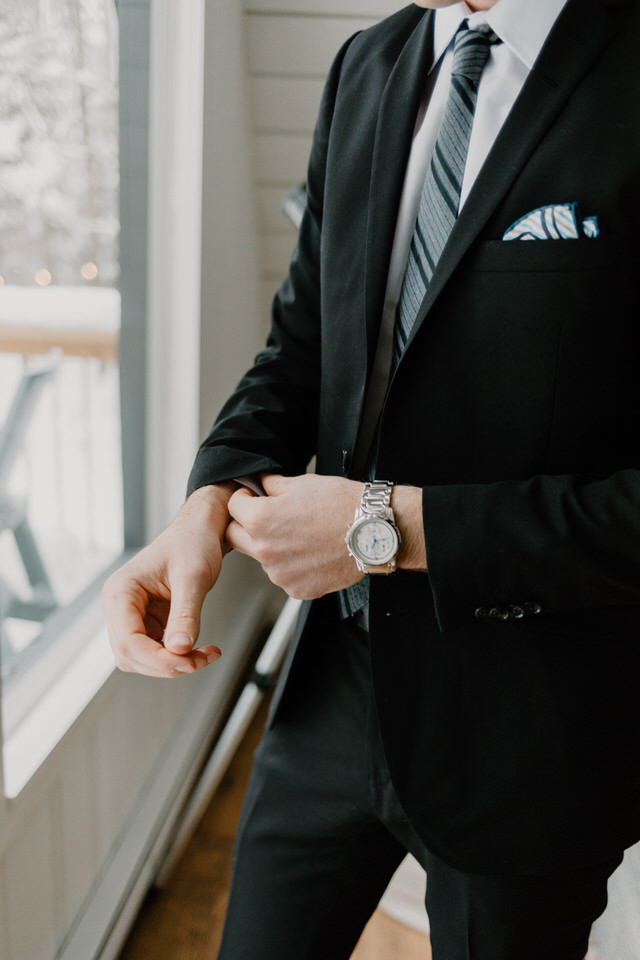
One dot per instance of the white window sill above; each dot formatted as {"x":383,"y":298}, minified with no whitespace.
{"x":34,"y":737}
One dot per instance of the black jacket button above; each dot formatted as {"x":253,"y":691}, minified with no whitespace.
{"x":515,"y":611}
{"x":499,"y":613}
{"x":481,"y":613}
{"x":531,"y":608}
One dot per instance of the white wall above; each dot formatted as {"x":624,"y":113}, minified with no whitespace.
{"x":290,"y":45}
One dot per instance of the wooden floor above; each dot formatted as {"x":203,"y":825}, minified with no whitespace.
{"x":184,"y":920}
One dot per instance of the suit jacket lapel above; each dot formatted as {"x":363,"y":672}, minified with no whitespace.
{"x":392,"y":144}
{"x":581,"y":32}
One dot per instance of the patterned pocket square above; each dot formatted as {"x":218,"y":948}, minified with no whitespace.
{"x":557,"y":221}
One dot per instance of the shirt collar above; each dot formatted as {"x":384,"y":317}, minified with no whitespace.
{"x":522,"y":25}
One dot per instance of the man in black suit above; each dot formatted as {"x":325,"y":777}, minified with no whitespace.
{"x":477,"y":706}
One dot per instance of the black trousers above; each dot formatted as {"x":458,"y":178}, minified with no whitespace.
{"x":322,"y":832}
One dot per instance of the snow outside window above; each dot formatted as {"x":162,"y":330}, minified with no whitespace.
{"x":61,"y":513}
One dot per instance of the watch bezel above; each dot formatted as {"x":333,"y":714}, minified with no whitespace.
{"x":358,"y":555}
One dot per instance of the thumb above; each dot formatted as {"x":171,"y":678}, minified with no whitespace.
{"x":183,"y":624}
{"x":274,"y":483}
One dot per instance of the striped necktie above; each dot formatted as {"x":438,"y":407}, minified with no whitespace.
{"x":440,"y":198}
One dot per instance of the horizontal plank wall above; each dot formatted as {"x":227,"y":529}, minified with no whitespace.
{"x":290,"y":45}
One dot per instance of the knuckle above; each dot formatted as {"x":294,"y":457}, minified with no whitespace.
{"x":182,"y":670}
{"x":300,"y":592}
{"x":183,"y":618}
{"x":122,"y":662}
{"x":275,"y":576}
{"x":266,"y":554}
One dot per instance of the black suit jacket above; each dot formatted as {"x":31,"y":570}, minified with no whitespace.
{"x":513,"y":742}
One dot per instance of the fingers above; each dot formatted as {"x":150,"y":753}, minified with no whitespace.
{"x":136,"y":617}
{"x":242,"y":505}
{"x":125,"y":606}
{"x":238,"y":538}
{"x":150,"y":658}
{"x":274,"y":483}
{"x":249,"y":510}
{"x":188,"y":591}
{"x":153,"y":627}
{"x":153,"y":604}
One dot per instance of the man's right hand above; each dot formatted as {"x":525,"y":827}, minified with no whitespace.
{"x":152,"y":605}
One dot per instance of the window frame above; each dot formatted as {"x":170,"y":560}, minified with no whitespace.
{"x":67,"y":632}
{"x":163,"y":76}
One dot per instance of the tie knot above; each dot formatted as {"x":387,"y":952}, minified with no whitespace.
{"x":471,"y":51}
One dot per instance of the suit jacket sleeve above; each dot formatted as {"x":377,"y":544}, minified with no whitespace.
{"x":563,"y":542}
{"x":270,"y":421}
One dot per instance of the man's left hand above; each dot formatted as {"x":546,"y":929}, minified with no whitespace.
{"x":297,"y":531}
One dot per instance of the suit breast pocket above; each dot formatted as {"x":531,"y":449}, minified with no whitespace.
{"x":583,"y":292}
{"x":555,"y":256}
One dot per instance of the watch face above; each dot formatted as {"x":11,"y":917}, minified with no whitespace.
{"x":374,"y":541}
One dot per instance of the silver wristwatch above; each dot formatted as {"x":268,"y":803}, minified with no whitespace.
{"x":373,"y":539}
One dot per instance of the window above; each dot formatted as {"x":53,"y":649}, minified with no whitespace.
{"x":61,"y":494}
